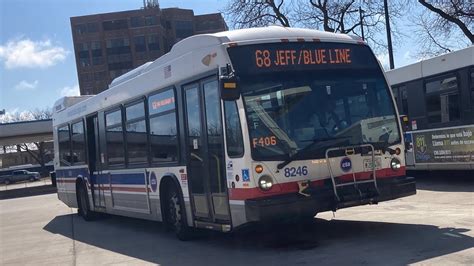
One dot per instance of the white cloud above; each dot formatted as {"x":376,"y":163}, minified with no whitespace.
{"x":70,"y":91}
{"x":31,"y":54}
{"x":25,"y":85}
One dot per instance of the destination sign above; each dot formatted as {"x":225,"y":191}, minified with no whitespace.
{"x":249,"y":59}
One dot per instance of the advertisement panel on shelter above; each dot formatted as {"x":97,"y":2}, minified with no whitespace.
{"x":453,"y":145}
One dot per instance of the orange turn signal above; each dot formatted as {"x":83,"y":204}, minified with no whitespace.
{"x":259,"y":169}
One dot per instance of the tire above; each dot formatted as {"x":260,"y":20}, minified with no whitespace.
{"x":175,"y":214}
{"x":84,"y":209}
{"x":32,"y":179}
{"x":7,"y":182}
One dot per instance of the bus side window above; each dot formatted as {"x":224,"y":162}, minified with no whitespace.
{"x":64,"y":146}
{"x":163,"y":129}
{"x":136,"y":139}
{"x":233,"y":136}
{"x":114,"y":138}
{"x":78,"y":143}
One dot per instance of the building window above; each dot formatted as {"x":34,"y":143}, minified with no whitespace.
{"x":153,"y":42}
{"x":136,"y":22}
{"x":64,"y":146}
{"x":140,"y":44}
{"x":92,"y":27}
{"x":137,"y":148}
{"x":86,"y":77}
{"x":234,"y":140}
{"x":80,"y":29}
{"x":78,"y":143}
{"x":99,"y":76}
{"x":163,"y":129}
{"x":184,"y":29}
{"x":118,"y":46}
{"x":114,"y":139}
{"x":115,"y":24}
{"x":150,"y":20}
{"x":442,"y":99}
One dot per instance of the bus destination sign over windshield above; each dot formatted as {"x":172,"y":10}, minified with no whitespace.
{"x":295,"y":56}
{"x":286,"y":57}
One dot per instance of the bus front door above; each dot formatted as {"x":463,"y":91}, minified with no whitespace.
{"x":205,"y":152}
{"x":97,"y":181}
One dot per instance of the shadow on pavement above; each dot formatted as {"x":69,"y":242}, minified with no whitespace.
{"x":448,"y":181}
{"x":27,"y":192}
{"x":318,"y":241}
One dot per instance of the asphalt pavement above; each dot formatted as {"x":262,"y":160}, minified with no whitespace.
{"x":433,"y":227}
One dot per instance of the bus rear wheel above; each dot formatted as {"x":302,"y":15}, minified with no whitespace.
{"x":84,"y":209}
{"x":175,"y":216}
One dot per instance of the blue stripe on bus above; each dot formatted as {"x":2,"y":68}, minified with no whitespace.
{"x":116,"y":178}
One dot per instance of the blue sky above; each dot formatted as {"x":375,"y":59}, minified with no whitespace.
{"x":45,"y":70}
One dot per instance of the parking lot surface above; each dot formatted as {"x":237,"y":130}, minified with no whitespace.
{"x":433,"y":227}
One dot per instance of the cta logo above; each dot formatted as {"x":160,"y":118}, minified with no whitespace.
{"x":346,"y":164}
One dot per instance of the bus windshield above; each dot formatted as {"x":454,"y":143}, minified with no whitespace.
{"x":287,"y":113}
{"x":302,"y":98}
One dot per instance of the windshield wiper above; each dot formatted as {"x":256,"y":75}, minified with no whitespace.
{"x":310,"y":146}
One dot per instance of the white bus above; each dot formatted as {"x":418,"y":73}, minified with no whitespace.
{"x":436,"y":97}
{"x":253,"y":125}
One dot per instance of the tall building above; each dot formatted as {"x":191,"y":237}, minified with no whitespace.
{"x":108,"y":45}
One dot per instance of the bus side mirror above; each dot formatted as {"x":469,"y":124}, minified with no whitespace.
{"x":229,"y":88}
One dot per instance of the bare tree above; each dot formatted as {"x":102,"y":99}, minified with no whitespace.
{"x":39,"y":152}
{"x":444,"y":25}
{"x":257,"y":13}
{"x":342,"y":16}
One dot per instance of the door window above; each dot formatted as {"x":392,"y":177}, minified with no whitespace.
{"x":193,"y":111}
{"x":214,"y":137}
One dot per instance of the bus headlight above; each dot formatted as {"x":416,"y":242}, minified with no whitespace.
{"x":265,"y":182}
{"x":395,"y":164}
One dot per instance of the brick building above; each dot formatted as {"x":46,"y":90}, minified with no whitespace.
{"x":110,"y":44}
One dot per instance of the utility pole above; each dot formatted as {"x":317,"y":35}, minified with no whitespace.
{"x":389,"y":35}
{"x":361,"y":23}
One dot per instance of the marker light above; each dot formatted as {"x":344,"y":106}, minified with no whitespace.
{"x":265,"y":182}
{"x":395,"y":164}
{"x":258,"y":169}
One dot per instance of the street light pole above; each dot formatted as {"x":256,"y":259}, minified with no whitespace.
{"x":389,"y":35}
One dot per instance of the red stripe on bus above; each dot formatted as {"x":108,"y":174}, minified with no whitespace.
{"x":284,"y":40}
{"x":292,"y":187}
{"x":316,"y":40}
{"x":130,"y":189}
{"x":300,"y":39}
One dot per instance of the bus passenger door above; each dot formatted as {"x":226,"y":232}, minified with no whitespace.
{"x":205,"y":152}
{"x":97,"y":180}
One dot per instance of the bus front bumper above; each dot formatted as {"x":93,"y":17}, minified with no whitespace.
{"x":289,"y":206}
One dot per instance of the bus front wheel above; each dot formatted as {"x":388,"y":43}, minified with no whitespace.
{"x":175,"y":213}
